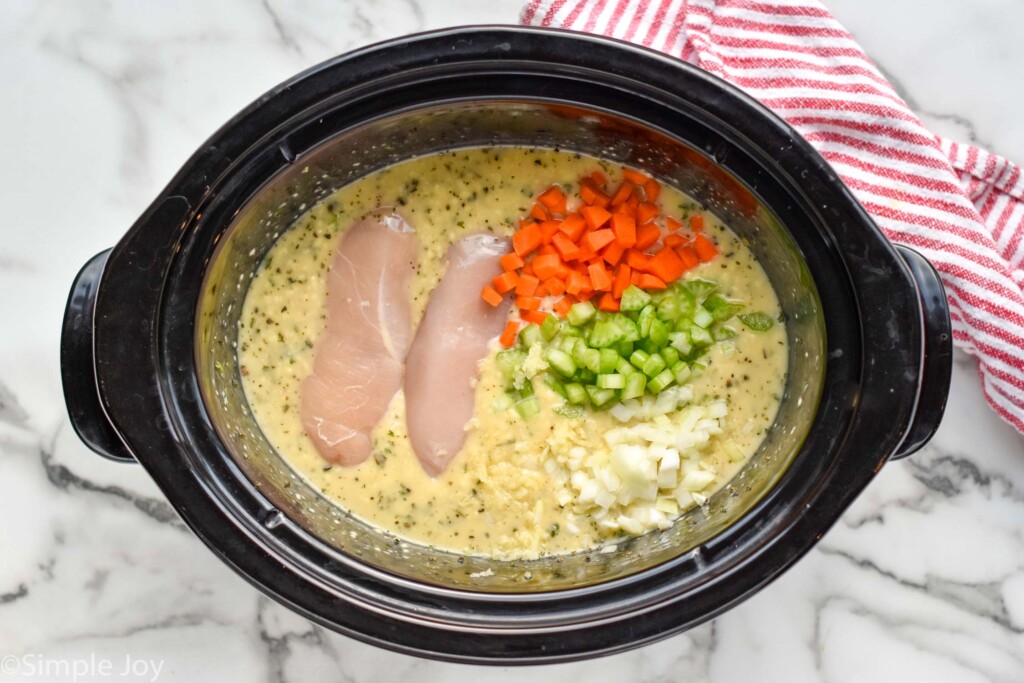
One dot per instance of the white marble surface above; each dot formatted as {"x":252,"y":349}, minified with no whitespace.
{"x":922,"y":580}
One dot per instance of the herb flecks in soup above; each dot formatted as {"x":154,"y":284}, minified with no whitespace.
{"x":556,"y":412}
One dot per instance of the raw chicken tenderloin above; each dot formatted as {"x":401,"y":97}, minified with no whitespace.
{"x":443,"y":363}
{"x":360,"y":356}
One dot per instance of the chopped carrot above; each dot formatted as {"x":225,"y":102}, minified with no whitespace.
{"x":586,"y":251}
{"x":598,"y":240}
{"x":634,"y":278}
{"x":608,"y":302}
{"x":553,"y":200}
{"x":600,"y":277}
{"x":613,"y":253}
{"x":622,"y":280}
{"x":646,"y":235}
{"x":666,"y":265}
{"x":563,"y":270}
{"x":548,"y":229}
{"x":491,"y":296}
{"x":592,"y":196}
{"x":527,"y":269}
{"x":554,"y":286}
{"x":697,"y":223}
{"x":624,"y":192}
{"x":624,"y":228}
{"x":688,"y":256}
{"x":652,"y":188}
{"x":636,"y":259}
{"x":635,"y":177}
{"x":646,"y":212}
{"x":541,"y":291}
{"x":535,"y":317}
{"x":585,"y":294}
{"x":528,"y":303}
{"x":506,"y":281}
{"x":527,"y":238}
{"x":546,"y":250}
{"x":567,"y":249}
{"x":511,"y":261}
{"x":674,"y":240}
{"x":595,"y":216}
{"x":539,"y":212}
{"x":563,"y":305}
{"x":576,"y":282}
{"x":673,"y":224}
{"x":651,"y":282}
{"x":599,"y":178}
{"x":573,"y":226}
{"x":705,"y":248}
{"x":546,"y":266}
{"x":508,"y":336}
{"x":527,"y":285}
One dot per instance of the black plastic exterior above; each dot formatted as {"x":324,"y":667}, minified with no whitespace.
{"x":882,"y":397}
{"x":937,"y":363}
{"x":78,"y":371}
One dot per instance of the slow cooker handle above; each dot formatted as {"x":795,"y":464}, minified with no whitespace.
{"x":937,"y":366}
{"x":78,"y":366}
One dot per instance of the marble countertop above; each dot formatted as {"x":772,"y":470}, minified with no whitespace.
{"x":922,"y":580}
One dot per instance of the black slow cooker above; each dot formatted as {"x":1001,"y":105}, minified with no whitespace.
{"x":151,"y":376}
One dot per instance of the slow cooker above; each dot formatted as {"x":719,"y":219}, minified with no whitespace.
{"x":151,"y":376}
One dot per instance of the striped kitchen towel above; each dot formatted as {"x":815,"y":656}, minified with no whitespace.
{"x":962,"y":207}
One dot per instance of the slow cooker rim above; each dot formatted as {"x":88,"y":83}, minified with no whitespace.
{"x":171,"y":193}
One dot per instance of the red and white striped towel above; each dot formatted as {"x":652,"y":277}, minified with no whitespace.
{"x":962,"y":207}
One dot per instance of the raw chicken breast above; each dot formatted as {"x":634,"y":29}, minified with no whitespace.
{"x":360,"y":356}
{"x":443,"y":363}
